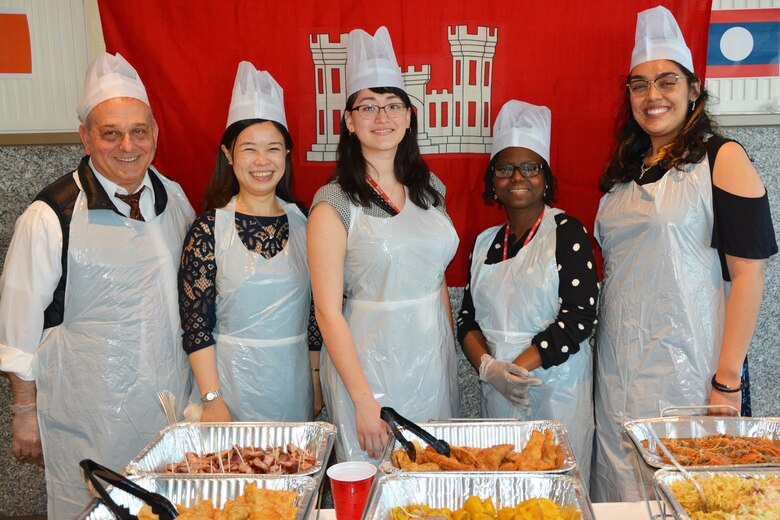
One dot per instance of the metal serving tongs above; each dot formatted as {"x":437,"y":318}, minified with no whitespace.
{"x":160,"y":505}
{"x":685,"y":473}
{"x":393,"y":419}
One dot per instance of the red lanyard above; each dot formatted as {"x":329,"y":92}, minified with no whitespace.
{"x":528,"y":238}
{"x":382,"y":193}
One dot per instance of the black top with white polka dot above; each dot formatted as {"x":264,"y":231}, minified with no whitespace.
{"x":578,"y":291}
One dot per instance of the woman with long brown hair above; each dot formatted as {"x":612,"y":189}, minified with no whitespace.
{"x":684,"y":219}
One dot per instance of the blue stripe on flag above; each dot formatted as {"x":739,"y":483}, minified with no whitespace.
{"x":766,"y":43}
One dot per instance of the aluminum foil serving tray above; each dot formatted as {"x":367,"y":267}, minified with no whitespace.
{"x":695,"y":426}
{"x":663,"y":478}
{"x":191,"y":490}
{"x":451,"y":489}
{"x":483,"y":434}
{"x":173,"y":442}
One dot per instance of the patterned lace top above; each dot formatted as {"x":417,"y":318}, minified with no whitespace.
{"x":265,"y":236}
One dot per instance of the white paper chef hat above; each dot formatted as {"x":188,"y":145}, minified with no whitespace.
{"x":658,"y":37}
{"x":108,"y":77}
{"x":256,"y":95}
{"x":523,"y":125}
{"x":371,"y":61}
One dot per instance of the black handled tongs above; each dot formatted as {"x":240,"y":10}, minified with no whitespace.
{"x":393,"y":419}
{"x":160,"y":505}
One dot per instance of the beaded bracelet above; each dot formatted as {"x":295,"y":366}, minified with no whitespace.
{"x":720,"y":387}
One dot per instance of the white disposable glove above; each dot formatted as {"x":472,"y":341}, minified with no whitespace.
{"x":509,"y":379}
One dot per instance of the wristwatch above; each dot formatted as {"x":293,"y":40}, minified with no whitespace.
{"x":210,"y":396}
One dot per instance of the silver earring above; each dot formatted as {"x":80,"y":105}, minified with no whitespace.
{"x":693,"y":105}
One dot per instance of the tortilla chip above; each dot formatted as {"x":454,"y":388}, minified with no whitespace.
{"x":490,"y":458}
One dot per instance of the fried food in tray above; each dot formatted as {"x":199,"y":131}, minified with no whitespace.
{"x":254,"y":503}
{"x":247,"y":460}
{"x":729,"y":496}
{"x":474,"y":508}
{"x":720,"y":450}
{"x":541,"y":453}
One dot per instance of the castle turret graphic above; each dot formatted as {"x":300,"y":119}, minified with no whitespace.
{"x":456,"y":121}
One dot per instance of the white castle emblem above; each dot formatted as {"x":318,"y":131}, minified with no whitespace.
{"x":448,"y":122}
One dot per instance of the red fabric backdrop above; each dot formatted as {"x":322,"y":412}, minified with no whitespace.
{"x":569,"y":56}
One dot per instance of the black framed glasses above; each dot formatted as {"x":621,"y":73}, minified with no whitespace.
{"x":371,"y":111}
{"x":664,"y":84}
{"x":527,"y":170}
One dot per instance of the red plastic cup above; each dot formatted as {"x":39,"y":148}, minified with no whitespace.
{"x":350,"y":483}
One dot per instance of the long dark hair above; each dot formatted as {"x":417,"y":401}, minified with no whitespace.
{"x":688,"y":147}
{"x":223,"y":185}
{"x":410,"y":168}
{"x":489,"y":194}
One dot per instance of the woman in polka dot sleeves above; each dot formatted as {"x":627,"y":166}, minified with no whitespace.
{"x":530,"y":301}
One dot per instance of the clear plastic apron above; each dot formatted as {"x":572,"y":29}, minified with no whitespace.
{"x":661,"y":315}
{"x":262,"y":319}
{"x":393,"y":271}
{"x":514,"y":300}
{"x":98,"y":373}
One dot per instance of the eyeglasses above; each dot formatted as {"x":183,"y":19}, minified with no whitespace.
{"x":527,"y":170}
{"x":664,"y":84}
{"x":371,"y":111}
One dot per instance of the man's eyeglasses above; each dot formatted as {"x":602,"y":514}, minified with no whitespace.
{"x":371,"y":111}
{"x":664,"y":84}
{"x":527,"y":170}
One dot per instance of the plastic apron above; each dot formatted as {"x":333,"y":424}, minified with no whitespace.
{"x":513,"y":301}
{"x":98,"y":373}
{"x":393,"y":271}
{"x":262,"y":310}
{"x":662,"y":311}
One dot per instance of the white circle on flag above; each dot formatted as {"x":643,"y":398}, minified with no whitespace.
{"x":736,"y":44}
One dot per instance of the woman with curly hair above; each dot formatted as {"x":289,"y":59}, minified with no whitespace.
{"x":684,"y":229}
{"x":379,"y":243}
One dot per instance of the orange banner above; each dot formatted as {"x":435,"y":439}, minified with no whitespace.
{"x":15,"y":51}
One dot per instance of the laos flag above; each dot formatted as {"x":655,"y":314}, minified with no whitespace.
{"x":744,"y":43}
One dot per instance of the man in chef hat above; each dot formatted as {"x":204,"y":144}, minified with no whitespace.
{"x":89,"y":325}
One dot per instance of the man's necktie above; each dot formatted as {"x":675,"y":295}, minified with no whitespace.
{"x":132,"y":200}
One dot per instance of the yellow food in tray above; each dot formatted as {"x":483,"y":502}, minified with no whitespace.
{"x":541,"y":453}
{"x":253,"y":504}
{"x":474,"y":508}
{"x":730,"y":497}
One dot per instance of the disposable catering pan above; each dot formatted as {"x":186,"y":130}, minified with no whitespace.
{"x":191,"y":490}
{"x":483,"y":434}
{"x":451,"y":489}
{"x":663,"y":478}
{"x":173,"y":442}
{"x":696,"y":426}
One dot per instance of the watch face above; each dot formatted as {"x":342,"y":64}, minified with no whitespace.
{"x":210,"y":396}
